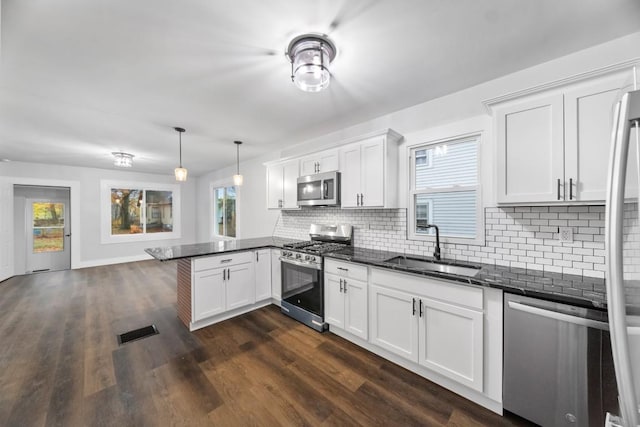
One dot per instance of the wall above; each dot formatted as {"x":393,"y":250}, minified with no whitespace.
{"x":523,"y":237}
{"x":85,"y":194}
{"x":451,"y":115}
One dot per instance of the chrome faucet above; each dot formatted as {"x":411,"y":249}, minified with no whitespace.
{"x":436,"y":252}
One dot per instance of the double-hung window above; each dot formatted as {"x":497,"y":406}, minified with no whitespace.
{"x":445,"y":190}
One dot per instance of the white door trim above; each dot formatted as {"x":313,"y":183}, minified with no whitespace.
{"x":6,"y":217}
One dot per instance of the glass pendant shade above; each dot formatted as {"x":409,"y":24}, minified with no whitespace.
{"x":238,"y":179}
{"x":310,"y":56}
{"x":181,"y":174}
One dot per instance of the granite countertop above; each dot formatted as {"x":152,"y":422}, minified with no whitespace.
{"x":168,"y":253}
{"x":564,"y":288}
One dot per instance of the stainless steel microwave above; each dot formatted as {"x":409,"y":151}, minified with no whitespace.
{"x":322,"y":189}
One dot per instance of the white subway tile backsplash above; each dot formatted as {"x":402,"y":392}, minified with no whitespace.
{"x":519,"y":237}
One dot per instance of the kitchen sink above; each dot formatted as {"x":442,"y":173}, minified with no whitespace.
{"x":420,"y":264}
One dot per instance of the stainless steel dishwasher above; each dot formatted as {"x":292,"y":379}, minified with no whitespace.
{"x":558,"y":368}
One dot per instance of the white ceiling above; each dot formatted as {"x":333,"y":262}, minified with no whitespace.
{"x":83,"y":78}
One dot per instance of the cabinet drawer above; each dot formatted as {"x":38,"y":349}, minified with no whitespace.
{"x":346,"y":269}
{"x":443,"y":290}
{"x":224,"y":260}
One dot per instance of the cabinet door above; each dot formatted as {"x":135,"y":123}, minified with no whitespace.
{"x":263,"y":274}
{"x":355,"y":310}
{"x":308,"y":166}
{"x":208,"y":294}
{"x":350,"y":176}
{"x":372,"y":173}
{"x":328,"y":161}
{"x":588,"y":124}
{"x":333,"y":301}
{"x":276,"y":276}
{"x":275,"y":186}
{"x":392,"y":322}
{"x":290,"y":177}
{"x":240,"y":285}
{"x":530,"y":150}
{"x":451,"y":341}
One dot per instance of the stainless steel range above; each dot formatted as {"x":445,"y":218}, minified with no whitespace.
{"x":302,"y":273}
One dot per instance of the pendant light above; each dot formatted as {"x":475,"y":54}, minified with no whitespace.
{"x":181,"y":173}
{"x":310,"y":56}
{"x":237,"y":178}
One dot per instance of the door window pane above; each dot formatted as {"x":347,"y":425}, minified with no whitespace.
{"x":225,"y":211}
{"x":48,"y":227}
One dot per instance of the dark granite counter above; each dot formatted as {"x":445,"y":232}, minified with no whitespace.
{"x":168,"y":253}
{"x":564,"y":288}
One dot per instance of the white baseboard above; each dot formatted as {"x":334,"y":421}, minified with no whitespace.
{"x":110,"y":261}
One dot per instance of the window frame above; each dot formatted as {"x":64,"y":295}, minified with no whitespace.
{"x":212,"y":209}
{"x":105,"y":212}
{"x":479,"y":238}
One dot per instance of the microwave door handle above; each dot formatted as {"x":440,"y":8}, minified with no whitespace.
{"x":325,"y":185}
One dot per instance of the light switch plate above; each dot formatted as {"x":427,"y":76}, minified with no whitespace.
{"x":565,"y":234}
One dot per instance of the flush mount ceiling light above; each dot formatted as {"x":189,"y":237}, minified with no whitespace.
{"x":237,"y":178}
{"x":310,"y":56}
{"x":181,"y":173}
{"x":122,"y":160}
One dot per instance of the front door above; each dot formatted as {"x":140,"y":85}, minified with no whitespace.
{"x":48,"y":234}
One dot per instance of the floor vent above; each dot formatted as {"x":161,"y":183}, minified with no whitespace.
{"x":137,"y":334}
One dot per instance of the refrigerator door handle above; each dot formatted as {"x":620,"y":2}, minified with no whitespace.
{"x":614,"y":266}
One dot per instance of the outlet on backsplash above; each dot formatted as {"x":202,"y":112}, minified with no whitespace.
{"x":565,"y":234}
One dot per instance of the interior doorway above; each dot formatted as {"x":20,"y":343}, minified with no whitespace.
{"x":42,"y":229}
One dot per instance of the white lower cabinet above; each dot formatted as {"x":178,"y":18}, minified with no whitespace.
{"x":345,"y":297}
{"x":222,"y":283}
{"x":434,"y":323}
{"x":263,"y":274}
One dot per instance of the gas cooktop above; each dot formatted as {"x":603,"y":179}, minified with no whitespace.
{"x":315,"y":247}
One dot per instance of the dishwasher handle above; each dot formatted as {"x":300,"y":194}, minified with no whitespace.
{"x":551,"y":314}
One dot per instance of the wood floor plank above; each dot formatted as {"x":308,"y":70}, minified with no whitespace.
{"x":61,"y":363}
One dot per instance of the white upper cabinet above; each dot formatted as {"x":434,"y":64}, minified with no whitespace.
{"x":324,"y":161}
{"x":369,"y":172}
{"x":554,"y":146}
{"x":281,"y":185}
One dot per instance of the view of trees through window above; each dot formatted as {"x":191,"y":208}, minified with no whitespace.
{"x":224,"y":200}
{"x":48,"y":227}
{"x":136,"y":211}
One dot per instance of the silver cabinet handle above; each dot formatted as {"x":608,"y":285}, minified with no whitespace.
{"x":228,"y":274}
{"x":257,"y":257}
{"x":361,"y":199}
{"x":344,"y":284}
{"x":420,"y":308}
{"x":413,"y":304}
{"x":558,"y":188}
{"x":224,"y":274}
{"x":558,"y":316}
{"x":226,"y":260}
{"x":357,"y":199}
{"x":341,"y":285}
{"x":343,"y":269}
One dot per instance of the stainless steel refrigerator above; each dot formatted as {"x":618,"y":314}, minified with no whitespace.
{"x":623,"y":271}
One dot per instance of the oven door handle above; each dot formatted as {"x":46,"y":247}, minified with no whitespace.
{"x":301,"y":263}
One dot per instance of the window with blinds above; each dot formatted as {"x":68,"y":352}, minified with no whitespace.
{"x":444,"y":188}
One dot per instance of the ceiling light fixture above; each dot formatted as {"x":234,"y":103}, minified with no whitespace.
{"x":122,"y":160}
{"x":181,"y":173}
{"x":237,"y":178}
{"x":310,"y":56}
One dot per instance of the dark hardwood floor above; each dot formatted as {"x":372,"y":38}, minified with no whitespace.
{"x":60,"y":363}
